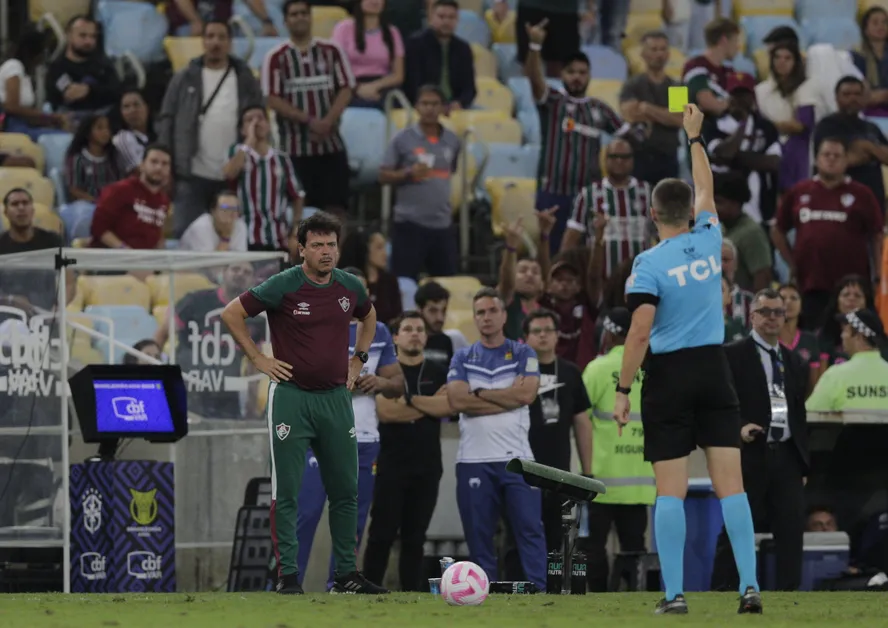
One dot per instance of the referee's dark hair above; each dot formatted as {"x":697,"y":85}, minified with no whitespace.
{"x":672,"y":201}
{"x":320,"y":223}
{"x":539,"y":314}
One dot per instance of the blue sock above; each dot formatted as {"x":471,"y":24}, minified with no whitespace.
{"x":670,"y":529}
{"x":738,"y":523}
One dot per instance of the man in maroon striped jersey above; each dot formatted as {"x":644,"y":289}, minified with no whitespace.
{"x":309,"y":83}
{"x":572,"y":128}
{"x":706,"y":74}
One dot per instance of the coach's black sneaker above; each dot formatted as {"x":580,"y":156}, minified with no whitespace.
{"x":750,"y":602}
{"x":289,"y":585}
{"x":356,"y":583}
{"x":677,"y":606}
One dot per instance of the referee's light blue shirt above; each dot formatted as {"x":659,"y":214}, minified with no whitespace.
{"x":681,"y":276}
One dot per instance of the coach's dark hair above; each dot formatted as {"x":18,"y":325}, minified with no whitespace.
{"x":430,"y":89}
{"x":540,"y":314}
{"x":834,"y":139}
{"x":357,"y":272}
{"x":395,"y":323}
{"x":487,"y":293}
{"x":429,"y":292}
{"x":766,"y":293}
{"x":673,"y":198}
{"x":163,"y":148}
{"x":222,"y":23}
{"x":17,"y":191}
{"x":846,"y":80}
{"x":320,"y":223}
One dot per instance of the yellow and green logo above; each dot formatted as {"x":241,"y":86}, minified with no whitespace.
{"x":143,"y":506}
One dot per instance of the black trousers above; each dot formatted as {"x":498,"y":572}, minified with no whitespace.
{"x":631,"y":524}
{"x":552,"y":529}
{"x":773,"y":477}
{"x":403,"y":504}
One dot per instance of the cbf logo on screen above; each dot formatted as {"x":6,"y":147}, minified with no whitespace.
{"x":144,"y":565}
{"x":129,"y":409}
{"x":699,"y":270}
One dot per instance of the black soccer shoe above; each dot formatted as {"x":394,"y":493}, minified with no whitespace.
{"x":750,"y":602}
{"x":356,"y":584}
{"x":289,"y":585}
{"x":677,"y":606}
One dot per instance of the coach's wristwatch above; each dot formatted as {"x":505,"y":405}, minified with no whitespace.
{"x":623,"y":391}
{"x":362,"y":356}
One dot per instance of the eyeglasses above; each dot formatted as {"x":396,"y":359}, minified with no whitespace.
{"x":767,"y":311}
{"x":228,"y":207}
{"x":620,"y":156}
{"x":539,"y":331}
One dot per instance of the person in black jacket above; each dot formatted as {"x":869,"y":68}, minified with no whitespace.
{"x":436,"y":56}
{"x":83,"y":79}
{"x":771,"y":382}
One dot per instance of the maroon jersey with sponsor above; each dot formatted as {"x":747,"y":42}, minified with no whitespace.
{"x":132,"y":212}
{"x":834,"y":227}
{"x":576,"y":335}
{"x":309,"y":323}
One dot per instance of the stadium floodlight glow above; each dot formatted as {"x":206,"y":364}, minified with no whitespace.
{"x":571,"y":488}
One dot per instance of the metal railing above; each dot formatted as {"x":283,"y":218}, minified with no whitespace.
{"x":249,"y":35}
{"x":388,"y":106}
{"x":129,"y":58}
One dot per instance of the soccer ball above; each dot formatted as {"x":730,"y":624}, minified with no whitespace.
{"x":464,"y":584}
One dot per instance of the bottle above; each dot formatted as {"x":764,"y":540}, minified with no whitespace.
{"x":445,"y":563}
{"x":554,"y":573}
{"x":514,"y":588}
{"x":578,"y":574}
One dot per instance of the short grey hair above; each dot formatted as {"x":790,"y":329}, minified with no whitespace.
{"x":673,"y":200}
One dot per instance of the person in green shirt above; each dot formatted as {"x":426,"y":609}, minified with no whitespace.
{"x":754,"y":261}
{"x":861,"y":383}
{"x":734,"y":328}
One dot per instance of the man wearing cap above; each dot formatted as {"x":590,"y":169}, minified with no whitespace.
{"x":741,"y":140}
{"x":574,"y":302}
{"x":617,"y":460}
{"x":771,"y":382}
{"x":861,"y":383}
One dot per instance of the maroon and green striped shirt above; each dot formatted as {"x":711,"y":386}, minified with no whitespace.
{"x":89,"y":173}
{"x":571,"y":136}
{"x":628,"y":227}
{"x":309,"y":81}
{"x":267,"y":186}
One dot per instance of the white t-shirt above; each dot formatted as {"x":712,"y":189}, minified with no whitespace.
{"x":218,"y":127}
{"x":201,"y":235}
{"x":9,"y":69}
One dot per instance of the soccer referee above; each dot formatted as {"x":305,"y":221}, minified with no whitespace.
{"x":687,"y":398}
{"x":309,"y":310}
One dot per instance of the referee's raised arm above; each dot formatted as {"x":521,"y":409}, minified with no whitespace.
{"x":704,"y":196}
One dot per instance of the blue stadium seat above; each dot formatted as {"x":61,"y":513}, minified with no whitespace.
{"x":507,"y":62}
{"x":131,"y":324}
{"x":744,"y":64}
{"x":261,"y":47}
{"x":757,"y":28}
{"x":812,"y":9}
{"x":520,"y":88}
{"x":275,"y":14}
{"x":134,"y":27}
{"x":508,"y":160}
{"x":606,"y":63}
{"x":171,"y":245}
{"x":840,"y":31}
{"x":408,"y":292}
{"x":363,"y":131}
{"x":473,"y":28}
{"x":58,"y":182}
{"x":531,"y":132}
{"x":308,"y":212}
{"x":54,"y":146}
{"x":882,"y":123}
{"x":77,"y":218}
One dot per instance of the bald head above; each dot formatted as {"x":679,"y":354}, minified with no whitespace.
{"x":620,"y":161}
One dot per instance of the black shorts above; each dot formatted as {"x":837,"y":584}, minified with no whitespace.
{"x":562,"y":33}
{"x":688,"y":400}
{"x":325,"y":179}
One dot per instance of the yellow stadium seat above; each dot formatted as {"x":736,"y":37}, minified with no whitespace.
{"x":78,"y":336}
{"x":462,"y":290}
{"x":485,"y":61}
{"x":742,"y":8}
{"x":865,"y":5}
{"x":638,"y":24}
{"x":85,"y":354}
{"x":513,"y":198}
{"x":646,"y":6}
{"x":676,"y":63}
{"x":159,"y":312}
{"x":115,"y":290}
{"x":44,"y":217}
{"x":183,"y":283}
{"x":493,"y":95}
{"x":80,"y":243}
{"x":607,"y":90}
{"x":323,"y":19}
{"x":476,"y":6}
{"x":506,"y":131}
{"x":21,"y":144}
{"x":62,"y":10}
{"x":30,"y":179}
{"x":501,"y":32}
{"x":762,"y":63}
{"x":464,"y":321}
{"x":181,"y":50}
{"x":464,"y":118}
{"x":401,"y":117}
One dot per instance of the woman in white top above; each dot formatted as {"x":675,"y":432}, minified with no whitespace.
{"x":17,"y":90}
{"x":789,"y":100}
{"x":220,"y":229}
{"x":136,"y":130}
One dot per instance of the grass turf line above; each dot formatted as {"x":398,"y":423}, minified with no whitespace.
{"x":413,"y":610}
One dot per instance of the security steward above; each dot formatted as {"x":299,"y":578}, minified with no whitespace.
{"x":617,"y":460}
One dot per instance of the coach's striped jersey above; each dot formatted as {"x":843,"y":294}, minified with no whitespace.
{"x":571,"y":136}
{"x":89,"y":173}
{"x":267,"y":186}
{"x":628,"y":229}
{"x":700,"y":73}
{"x":501,"y":436}
{"x":382,"y":353}
{"x":309,"y":80}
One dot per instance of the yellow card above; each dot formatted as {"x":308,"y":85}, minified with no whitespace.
{"x":678,"y":98}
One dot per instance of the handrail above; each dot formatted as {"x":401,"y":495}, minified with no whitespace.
{"x":468,"y":195}
{"x":138,"y":68}
{"x":485,"y":149}
{"x":387,"y":108}
{"x":48,"y":19}
{"x":249,"y":33}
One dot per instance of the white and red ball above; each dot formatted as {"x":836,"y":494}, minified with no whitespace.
{"x":464,"y":584}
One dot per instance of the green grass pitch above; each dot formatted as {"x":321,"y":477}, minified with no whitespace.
{"x":267,"y":610}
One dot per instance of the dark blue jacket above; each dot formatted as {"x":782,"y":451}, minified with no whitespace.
{"x":422,"y":59}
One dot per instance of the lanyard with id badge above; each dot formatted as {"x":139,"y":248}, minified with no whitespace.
{"x":777,"y":395}
{"x":549,"y":406}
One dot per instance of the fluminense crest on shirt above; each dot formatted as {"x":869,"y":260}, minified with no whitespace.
{"x":344,"y":303}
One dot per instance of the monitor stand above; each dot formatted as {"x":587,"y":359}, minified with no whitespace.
{"x":107,"y":451}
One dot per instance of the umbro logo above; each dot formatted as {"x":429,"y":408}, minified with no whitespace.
{"x":302,"y":309}
{"x":353,"y":433}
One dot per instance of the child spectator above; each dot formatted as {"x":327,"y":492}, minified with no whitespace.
{"x":91,"y":161}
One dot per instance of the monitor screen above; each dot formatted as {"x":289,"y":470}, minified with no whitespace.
{"x":132,"y":406}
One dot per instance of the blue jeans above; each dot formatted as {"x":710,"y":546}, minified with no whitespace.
{"x":15,"y":124}
{"x":612,"y":18}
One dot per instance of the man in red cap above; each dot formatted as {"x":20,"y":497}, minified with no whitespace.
{"x":741,"y":140}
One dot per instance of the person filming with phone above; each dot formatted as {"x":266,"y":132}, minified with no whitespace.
{"x":771,"y":382}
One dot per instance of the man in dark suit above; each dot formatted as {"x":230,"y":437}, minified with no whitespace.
{"x":771,"y":382}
